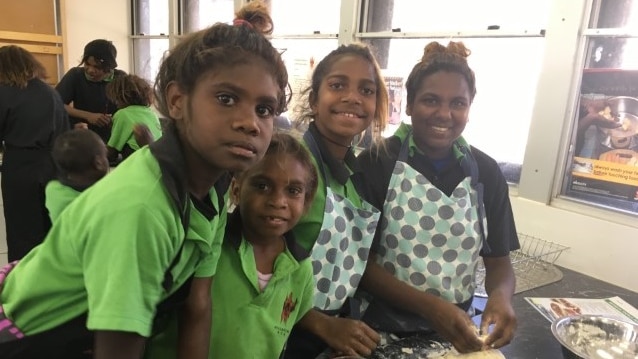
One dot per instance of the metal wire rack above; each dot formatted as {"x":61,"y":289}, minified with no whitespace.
{"x":533,"y":264}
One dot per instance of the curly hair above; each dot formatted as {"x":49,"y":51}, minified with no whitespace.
{"x":129,"y":90}
{"x":436,"y":57}
{"x":18,"y":66}
{"x":219,"y":46}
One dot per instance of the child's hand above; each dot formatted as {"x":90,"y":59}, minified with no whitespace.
{"x":351,"y":337}
{"x":99,"y":119}
{"x":142,"y":134}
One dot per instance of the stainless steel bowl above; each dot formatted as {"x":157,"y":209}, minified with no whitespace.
{"x":596,"y":337}
{"x":624,"y":104}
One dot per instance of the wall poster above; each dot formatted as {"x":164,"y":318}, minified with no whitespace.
{"x":605,"y":161}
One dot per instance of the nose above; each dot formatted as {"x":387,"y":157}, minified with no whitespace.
{"x":352,"y":95}
{"x":278,"y":199}
{"x":445,"y":111}
{"x":247,"y":121}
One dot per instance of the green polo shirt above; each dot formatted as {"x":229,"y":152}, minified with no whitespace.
{"x":249,"y":323}
{"x":57,"y":198}
{"x":109,"y":250}
{"x":125,"y":119}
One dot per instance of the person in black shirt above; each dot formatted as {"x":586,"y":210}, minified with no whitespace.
{"x":32,"y":115}
{"x":83,"y":88}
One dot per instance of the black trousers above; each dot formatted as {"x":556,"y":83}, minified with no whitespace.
{"x":25,"y":174}
{"x":68,"y":341}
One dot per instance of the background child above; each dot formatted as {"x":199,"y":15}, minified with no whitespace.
{"x":264,"y":282}
{"x":80,"y":159}
{"x":32,"y":115}
{"x":132,"y":96}
{"x":444,"y":204}
{"x":346,"y":96}
{"x":148,"y":236}
{"x":83,"y":88}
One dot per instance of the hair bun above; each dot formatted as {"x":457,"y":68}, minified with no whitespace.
{"x":453,"y":48}
{"x":256,"y":14}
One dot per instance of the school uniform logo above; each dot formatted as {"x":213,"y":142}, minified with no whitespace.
{"x":289,"y":307}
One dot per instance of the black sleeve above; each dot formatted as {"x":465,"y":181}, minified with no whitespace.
{"x":66,"y":86}
{"x":501,"y":228}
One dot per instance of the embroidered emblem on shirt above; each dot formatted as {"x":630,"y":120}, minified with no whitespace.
{"x":289,"y":307}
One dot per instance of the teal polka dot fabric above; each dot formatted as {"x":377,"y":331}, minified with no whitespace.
{"x":341,"y":251}
{"x":430,"y":240}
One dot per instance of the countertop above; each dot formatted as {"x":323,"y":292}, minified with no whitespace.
{"x":534,"y":339}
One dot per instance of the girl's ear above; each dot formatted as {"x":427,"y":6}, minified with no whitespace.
{"x":234,"y":191}
{"x":175,"y":101}
{"x":408,"y":110}
{"x":101,"y":164}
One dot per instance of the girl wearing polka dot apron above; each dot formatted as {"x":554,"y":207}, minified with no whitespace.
{"x":346,"y":96}
{"x":444,"y":204}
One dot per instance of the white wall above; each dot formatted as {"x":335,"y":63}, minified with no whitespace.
{"x":597,"y":247}
{"x":88,"y":20}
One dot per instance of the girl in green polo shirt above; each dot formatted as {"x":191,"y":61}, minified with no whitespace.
{"x":151,"y":230}
{"x":132,"y":95}
{"x":264,"y":279}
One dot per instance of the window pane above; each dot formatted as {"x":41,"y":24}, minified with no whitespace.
{"x":306,"y":17}
{"x":460,"y":15}
{"x":300,"y":56}
{"x":151,"y":17}
{"x":612,"y":52}
{"x":603,"y":164}
{"x":148,"y":54}
{"x":502,"y":109}
{"x":199,"y":14}
{"x":614,"y":13}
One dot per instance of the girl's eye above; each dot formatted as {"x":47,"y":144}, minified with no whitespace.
{"x":458,"y":105}
{"x":261,"y":186}
{"x":265,"y":111}
{"x":368,"y":91}
{"x":430,"y":101}
{"x":226,"y":100}
{"x":336,"y":85}
{"x":295,"y":191}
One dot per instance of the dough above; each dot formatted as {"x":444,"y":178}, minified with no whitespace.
{"x":485,"y":354}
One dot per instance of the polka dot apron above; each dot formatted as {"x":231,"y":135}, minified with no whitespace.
{"x":429,"y":240}
{"x":341,"y":251}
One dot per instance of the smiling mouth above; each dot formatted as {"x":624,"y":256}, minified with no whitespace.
{"x":438,"y":129}
{"x":348,"y":114}
{"x":275,"y":220}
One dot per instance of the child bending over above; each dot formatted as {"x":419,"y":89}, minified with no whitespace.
{"x":80,"y":159}
{"x":133,"y":97}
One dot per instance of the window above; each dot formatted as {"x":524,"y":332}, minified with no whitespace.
{"x":294,"y":17}
{"x":156,"y":27}
{"x":199,"y":14}
{"x":507,"y":54}
{"x":602,"y":165}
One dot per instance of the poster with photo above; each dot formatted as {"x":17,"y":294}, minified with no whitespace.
{"x":605,"y":158}
{"x":395,"y":96}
